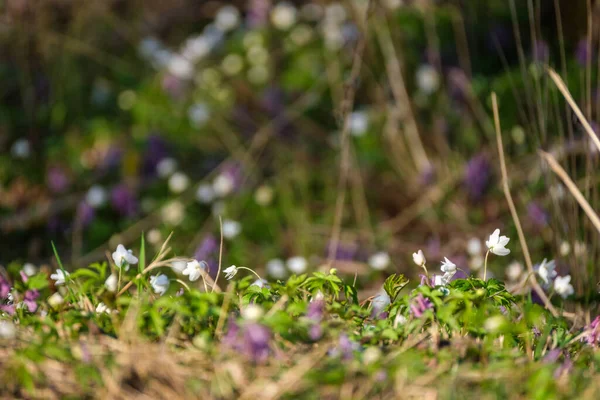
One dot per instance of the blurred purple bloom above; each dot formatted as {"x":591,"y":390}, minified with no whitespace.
{"x":427,"y":281}
{"x":256,"y":341}
{"x":206,"y":251}
{"x":552,"y":356}
{"x":346,"y":346}
{"x":112,"y":158}
{"x":582,"y":52}
{"x":538,"y":216}
{"x":564,"y":368}
{"x":24,"y":276}
{"x":4,"y":287}
{"x":8,"y":308}
{"x":123,"y":200}
{"x":477,"y":176}
{"x":258,"y":13}
{"x":541,"y":51}
{"x":85,"y":213}
{"x":315,"y":331}
{"x":57,"y":180}
{"x":419,"y":305}
{"x":428,"y":176}
{"x":593,"y":337}
{"x":315,"y":310}
{"x":344,"y":251}
{"x":156,"y":150}
{"x":458,"y":84}
{"x":173,"y":86}
{"x":30,"y":300}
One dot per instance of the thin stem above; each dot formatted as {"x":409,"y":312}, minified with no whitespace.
{"x":251,"y":270}
{"x":426,"y":272}
{"x":182,"y":284}
{"x":485,"y":265}
{"x":119,"y":281}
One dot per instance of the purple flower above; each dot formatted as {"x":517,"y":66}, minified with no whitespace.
{"x":8,"y":308}
{"x":85,"y":213}
{"x":346,"y":346}
{"x":315,"y":332}
{"x":257,"y":339}
{"x":258,"y":13}
{"x":593,"y":337}
{"x":427,"y":281}
{"x":428,"y":176}
{"x":419,"y":305}
{"x":206,"y":251}
{"x":4,"y":288}
{"x":552,"y":356}
{"x":315,"y":315}
{"x":24,"y":276}
{"x":57,"y":180}
{"x":537,"y":214}
{"x":477,"y":176}
{"x":540,"y":51}
{"x":30,"y":300}
{"x":123,"y":200}
{"x":112,"y":157}
{"x":344,"y":251}
{"x":582,"y":52}
{"x":156,"y":150}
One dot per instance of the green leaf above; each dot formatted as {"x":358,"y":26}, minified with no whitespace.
{"x":394,"y":284}
{"x":142,"y":262}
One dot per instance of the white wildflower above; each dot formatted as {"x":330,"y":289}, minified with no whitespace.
{"x":29,"y":269}
{"x":223,"y":185}
{"x":428,"y":79}
{"x":194,"y":269}
{"x":7,"y":330}
{"x":297,"y":264}
{"x":448,"y":266}
{"x":227,"y":18}
{"x":547,"y":271}
{"x":562,"y":286}
{"x":514,"y":271}
{"x":252,"y":312}
{"x":231,"y":229}
{"x":21,"y":149}
{"x":101,"y":308}
{"x":59,"y":277}
{"x":96,"y":196}
{"x":166,"y":167}
{"x":230,"y":272}
{"x":123,"y":257}
{"x":111,"y":283}
{"x":359,"y":123}
{"x":179,"y":266}
{"x":474,"y":247}
{"x":419,"y":258}
{"x":276,"y":268}
{"x":283,"y":15}
{"x":55,"y":300}
{"x":205,"y":193}
{"x":379,"y":261}
{"x":496,"y":243}
{"x":160,"y":283}
{"x":178,"y":182}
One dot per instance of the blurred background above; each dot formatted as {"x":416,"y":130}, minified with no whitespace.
{"x":347,"y":133}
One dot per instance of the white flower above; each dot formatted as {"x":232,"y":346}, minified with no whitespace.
{"x":205,"y":194}
{"x":546,"y":271}
{"x":123,"y":257}
{"x":297,"y":264}
{"x":227,"y":18}
{"x":21,"y":149}
{"x":476,"y":262}
{"x":497,"y":243}
{"x":180,"y":67}
{"x":514,"y":271}
{"x":154,"y":236}
{"x":198,"y":114}
{"x":379,"y":261}
{"x":448,"y":266}
{"x":380,"y":301}
{"x":178,"y":182}
{"x":230,"y":272}
{"x":173,"y":213}
{"x":101,"y":308}
{"x":55,"y":300}
{"x":223,"y":185}
{"x":231,"y":229}
{"x":399,"y":320}
{"x":111,"y":283}
{"x":276,"y":268}
{"x":565,"y":249}
{"x":438,"y":280}
{"x":7,"y":330}
{"x":419,"y":258}
{"x":252,"y":312}
{"x":29,"y":269}
{"x":160,"y":283}
{"x":179,"y":265}
{"x":194,"y":269}
{"x":261,"y":283}
{"x":59,"y":277}
{"x":563,"y":287}
{"x":283,"y":15}
{"x":166,"y":167}
{"x":428,"y":79}
{"x":359,"y":123}
{"x":474,"y":247}
{"x":96,"y":196}
{"x":263,"y":195}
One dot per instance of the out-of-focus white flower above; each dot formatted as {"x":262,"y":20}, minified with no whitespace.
{"x":359,"y":123}
{"x":562,"y":286}
{"x":493,"y":324}
{"x":474,"y":247}
{"x":29,"y":269}
{"x":546,"y":271}
{"x":196,"y":47}
{"x":283,"y":15}
{"x":428,"y":79}
{"x":111,"y":283}
{"x":297,"y":264}
{"x":205,"y":193}
{"x":448,"y":266}
{"x":223,"y":185}
{"x":154,"y":236}
{"x":231,"y":229}
{"x":336,"y":13}
{"x":180,"y":67}
{"x":123,"y":257}
{"x":179,"y":265}
{"x":399,"y":320}
{"x":333,"y":36}
{"x":59,"y":277}
{"x":194,"y":269}
{"x":55,"y":300}
{"x":101,"y":308}
{"x":565,"y":249}
{"x":514,"y":271}
{"x":21,"y":149}
{"x":264,"y":195}
{"x":380,"y":301}
{"x":160,"y":283}
{"x":438,"y":280}
{"x":198,"y":114}
{"x":257,"y":55}
{"x":227,"y":18}
{"x":166,"y":167}
{"x":148,"y":46}
{"x":419,"y":258}
{"x":178,"y":182}
{"x":96,"y":196}
{"x":230,"y":272}
{"x":261,"y":283}
{"x":371,"y":355}
{"x":379,"y":261}
{"x":173,"y":212}
{"x":476,"y":262}
{"x":276,"y":268}
{"x":497,"y":243}
{"x":7,"y":330}
{"x":252,"y":312}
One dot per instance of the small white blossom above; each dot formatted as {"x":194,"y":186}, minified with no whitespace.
{"x":514,"y":271}
{"x":173,"y":212}
{"x":474,"y":247}
{"x":96,"y":196}
{"x":399,"y":320}
{"x":297,"y":264}
{"x":230,"y":272}
{"x":178,"y":182}
{"x":29,"y":269}
{"x":428,"y":79}
{"x":276,"y":268}
{"x":263,"y":195}
{"x":154,"y":236}
{"x":497,"y":243}
{"x":7,"y":330}
{"x":59,"y":277}
{"x":227,"y":18}
{"x":205,"y":194}
{"x":476,"y":262}
{"x":179,"y":265}
{"x":101,"y":308}
{"x":379,"y":261}
{"x":180,"y":67}
{"x":55,"y":300}
{"x":123,"y":257}
{"x":261,"y":283}
{"x":419,"y":258}
{"x":565,"y":249}
{"x":194,"y":269}
{"x":111,"y":283}
{"x":252,"y":312}
{"x":231,"y":229}
{"x":21,"y":149}
{"x":166,"y":167}
{"x":283,"y":15}
{"x":160,"y":283}
{"x":448,"y":266}
{"x":223,"y":185}
{"x":359,"y":123}
{"x":547,"y":271}
{"x":198,"y":114}
{"x":380,"y":302}
{"x":438,"y":280}
{"x":562,"y":286}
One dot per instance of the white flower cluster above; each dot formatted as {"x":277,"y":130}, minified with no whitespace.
{"x":550,"y":279}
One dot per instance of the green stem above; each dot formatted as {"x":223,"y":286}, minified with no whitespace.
{"x":182,"y":284}
{"x":485,"y":265}
{"x":251,"y":270}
